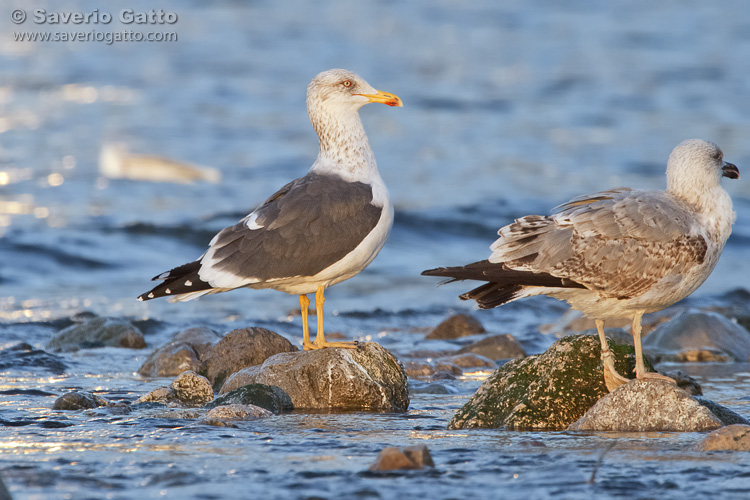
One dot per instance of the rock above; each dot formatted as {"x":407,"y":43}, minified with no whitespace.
{"x":170,"y":360}
{"x":730,"y":438}
{"x":685,"y":382}
{"x":420,"y":455}
{"x":273,"y":399}
{"x":496,"y":347}
{"x":237,"y":412}
{"x":239,"y":349}
{"x":469,"y":360}
{"x":25,"y":357}
{"x":189,"y":389}
{"x":699,"y":336}
{"x":412,"y":457}
{"x":182,"y":353}
{"x":647,"y":406}
{"x":545,"y":391}
{"x":727,"y":416}
{"x":416,"y":369}
{"x":456,"y":326}
{"x":365,"y":378}
{"x":200,"y":338}
{"x":98,"y":332}
{"x":79,"y":400}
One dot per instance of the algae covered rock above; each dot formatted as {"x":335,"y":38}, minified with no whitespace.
{"x":271,"y":398}
{"x":648,"y":406}
{"x":189,"y":389}
{"x":98,"y":332}
{"x":365,"y":378}
{"x":547,"y":391}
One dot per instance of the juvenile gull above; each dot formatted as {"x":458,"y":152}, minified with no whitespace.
{"x":314,"y":232}
{"x":616,"y":254}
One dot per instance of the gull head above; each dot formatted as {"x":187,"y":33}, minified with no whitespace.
{"x":340,"y":90}
{"x":697,"y":165}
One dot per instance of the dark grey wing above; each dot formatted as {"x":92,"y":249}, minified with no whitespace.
{"x":308,"y":225}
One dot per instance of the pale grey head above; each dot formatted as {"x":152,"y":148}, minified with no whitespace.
{"x":340,"y":89}
{"x":696,"y":166}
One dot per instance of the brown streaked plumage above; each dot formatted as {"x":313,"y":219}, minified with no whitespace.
{"x":616,"y":254}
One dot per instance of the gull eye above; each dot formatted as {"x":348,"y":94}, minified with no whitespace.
{"x":347,"y":83}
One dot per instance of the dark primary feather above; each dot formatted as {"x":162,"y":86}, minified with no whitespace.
{"x":175,"y":282}
{"x":503,"y":284}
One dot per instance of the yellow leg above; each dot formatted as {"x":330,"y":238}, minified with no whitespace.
{"x":304,"y":303}
{"x":640,"y":368}
{"x":320,"y":340}
{"x":612,"y":379}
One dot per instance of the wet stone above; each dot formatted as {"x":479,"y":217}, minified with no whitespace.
{"x":98,"y":332}
{"x":460,"y":325}
{"x":699,"y":336}
{"x":273,"y":399}
{"x":365,"y":378}
{"x":412,"y":457}
{"x":734,"y":437}
{"x":188,"y":389}
{"x":79,"y":400}
{"x":646,"y":406}
{"x":547,"y":391}
{"x":23,"y":356}
{"x":170,"y":360}
{"x":237,"y":412}
{"x":200,"y":338}
{"x":685,"y":382}
{"x":469,"y":360}
{"x":496,"y":347}
{"x":239,"y":349}
{"x":182,"y":353}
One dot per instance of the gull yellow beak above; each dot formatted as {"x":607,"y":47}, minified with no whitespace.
{"x":384,"y":98}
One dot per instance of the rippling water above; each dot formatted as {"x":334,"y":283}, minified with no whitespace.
{"x":510,"y":109}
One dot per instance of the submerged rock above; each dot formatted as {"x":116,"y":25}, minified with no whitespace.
{"x":239,"y":349}
{"x":189,"y":389}
{"x":734,"y":437}
{"x":547,"y":391}
{"x":181,"y":354}
{"x":24,"y":356}
{"x":496,"y":347}
{"x":365,"y":378}
{"x":271,"y":398}
{"x":460,"y":325}
{"x":98,"y":332}
{"x":699,"y":336}
{"x":237,"y":412}
{"x":412,"y":457}
{"x":645,"y":406}
{"x":79,"y":400}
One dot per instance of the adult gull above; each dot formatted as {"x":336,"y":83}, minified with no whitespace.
{"x":616,"y":254}
{"x":314,"y":232}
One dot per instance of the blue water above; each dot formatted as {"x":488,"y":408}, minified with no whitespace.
{"x":510,"y":108}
